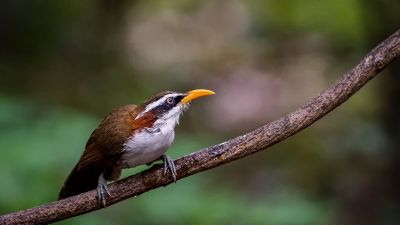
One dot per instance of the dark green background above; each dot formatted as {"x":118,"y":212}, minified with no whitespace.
{"x":65,"y":64}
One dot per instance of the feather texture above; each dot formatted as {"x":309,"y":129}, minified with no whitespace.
{"x":104,"y":148}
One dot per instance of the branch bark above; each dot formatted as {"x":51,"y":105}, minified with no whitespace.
{"x":228,"y":151}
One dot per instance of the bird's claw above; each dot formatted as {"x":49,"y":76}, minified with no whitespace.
{"x":102,"y":190}
{"x":169,"y":165}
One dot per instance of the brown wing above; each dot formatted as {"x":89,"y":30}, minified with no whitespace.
{"x":106,"y":142}
{"x":103,"y":148}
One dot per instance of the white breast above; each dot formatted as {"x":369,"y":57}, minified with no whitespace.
{"x":147,"y":146}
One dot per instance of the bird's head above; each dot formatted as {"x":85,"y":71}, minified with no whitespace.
{"x":168,"y":105}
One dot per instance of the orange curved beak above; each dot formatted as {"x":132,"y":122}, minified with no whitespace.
{"x":196,"y":94}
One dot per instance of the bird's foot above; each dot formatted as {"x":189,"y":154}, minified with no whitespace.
{"x":102,"y":190}
{"x":169,"y":165}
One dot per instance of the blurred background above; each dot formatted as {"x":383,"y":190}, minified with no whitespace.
{"x":66,"y":64}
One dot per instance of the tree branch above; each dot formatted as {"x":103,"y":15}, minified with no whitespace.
{"x":228,"y":151}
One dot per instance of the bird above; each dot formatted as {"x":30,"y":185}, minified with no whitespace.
{"x":127,"y":137}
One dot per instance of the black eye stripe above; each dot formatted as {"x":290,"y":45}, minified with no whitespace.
{"x":179,"y":98}
{"x":165,"y":106}
{"x":174,"y":100}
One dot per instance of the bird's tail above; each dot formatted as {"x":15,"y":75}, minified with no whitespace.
{"x":80,"y":180}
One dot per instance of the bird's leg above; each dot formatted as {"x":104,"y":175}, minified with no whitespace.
{"x":169,"y":165}
{"x":102,"y":189}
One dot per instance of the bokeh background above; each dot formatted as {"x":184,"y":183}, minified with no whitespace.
{"x":65,"y":64}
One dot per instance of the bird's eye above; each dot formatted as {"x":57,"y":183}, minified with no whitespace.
{"x":170,"y":100}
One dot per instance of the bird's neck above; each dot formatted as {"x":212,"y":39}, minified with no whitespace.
{"x":166,"y":125}
{"x":167,"y":122}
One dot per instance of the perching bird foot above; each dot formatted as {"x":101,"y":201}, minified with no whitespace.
{"x":169,"y":165}
{"x":102,"y":190}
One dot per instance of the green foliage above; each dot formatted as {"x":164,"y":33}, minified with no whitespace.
{"x":313,"y":16}
{"x":38,"y":148}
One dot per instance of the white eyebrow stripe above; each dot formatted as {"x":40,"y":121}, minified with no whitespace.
{"x":156,"y":103}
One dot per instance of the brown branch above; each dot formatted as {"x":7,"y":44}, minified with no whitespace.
{"x":228,"y":151}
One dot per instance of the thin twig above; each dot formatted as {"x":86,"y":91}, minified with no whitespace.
{"x":228,"y":151}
